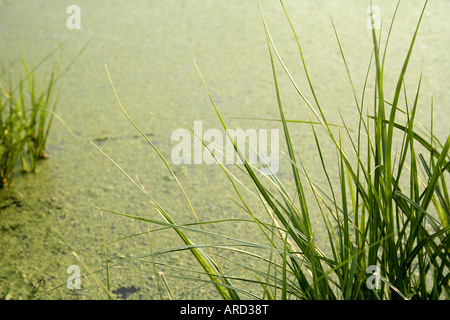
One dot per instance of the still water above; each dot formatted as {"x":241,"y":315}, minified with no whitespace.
{"x":149,"y":48}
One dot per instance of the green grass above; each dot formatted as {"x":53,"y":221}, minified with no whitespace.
{"x":12,"y":137}
{"x":27,"y":110}
{"x":26,"y":116}
{"x":387,"y":211}
{"x":39,"y":117}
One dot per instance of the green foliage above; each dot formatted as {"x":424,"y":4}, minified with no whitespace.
{"x":389,"y":209}
{"x":26,"y":116}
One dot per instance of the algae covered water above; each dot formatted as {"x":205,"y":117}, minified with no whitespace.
{"x":52,"y":220}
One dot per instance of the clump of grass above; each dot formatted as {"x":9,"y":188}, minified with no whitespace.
{"x":39,"y":116}
{"x":27,"y":111}
{"x":386,"y":217}
{"x":12,"y":136}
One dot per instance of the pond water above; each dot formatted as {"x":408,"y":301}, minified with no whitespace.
{"x":149,"y":48}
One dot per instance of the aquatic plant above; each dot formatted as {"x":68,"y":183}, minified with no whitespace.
{"x":26,"y":116}
{"x":39,"y":117}
{"x":12,"y":136}
{"x":386,"y":217}
{"x":27,"y":110}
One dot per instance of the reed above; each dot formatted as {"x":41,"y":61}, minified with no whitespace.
{"x":13,"y":136}
{"x":27,"y":110}
{"x":26,"y":116}
{"x":386,"y":217}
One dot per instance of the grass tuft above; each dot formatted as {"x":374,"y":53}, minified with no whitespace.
{"x":27,"y":110}
{"x":386,"y":216}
